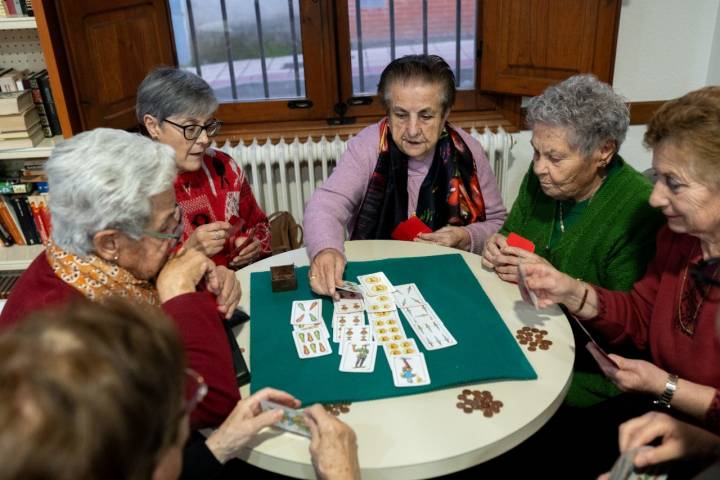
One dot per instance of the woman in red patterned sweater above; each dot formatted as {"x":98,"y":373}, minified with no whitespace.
{"x":221,"y":217}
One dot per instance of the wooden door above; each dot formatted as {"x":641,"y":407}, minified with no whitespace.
{"x":530,"y":44}
{"x":110,"y":46}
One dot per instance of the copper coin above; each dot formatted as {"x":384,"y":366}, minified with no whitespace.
{"x":544,"y":347}
{"x":344,"y":409}
{"x":461,"y":396}
{"x":498,"y":403}
{"x":487,"y":413}
{"x":460,"y":405}
{"x":523,"y":342}
{"x":468,"y":410}
{"x":466,"y":392}
{"x":534,"y":330}
{"x":547,"y":342}
{"x":532,"y":349}
{"x":544,"y":332}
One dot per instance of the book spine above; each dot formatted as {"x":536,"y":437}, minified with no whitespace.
{"x":29,"y":8}
{"x":18,"y":7}
{"x":26,"y":224}
{"x":49,"y":102}
{"x":5,"y":236}
{"x":10,"y":6}
{"x":37,"y":217}
{"x":22,"y":5}
{"x":40,"y":107}
{"x":11,"y":222}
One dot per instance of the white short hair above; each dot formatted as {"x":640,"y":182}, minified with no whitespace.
{"x":104,"y":179}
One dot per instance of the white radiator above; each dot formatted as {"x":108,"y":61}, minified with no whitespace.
{"x":284,"y":175}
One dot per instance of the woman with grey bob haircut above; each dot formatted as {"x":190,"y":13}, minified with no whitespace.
{"x":584,"y":208}
{"x":177,"y":108}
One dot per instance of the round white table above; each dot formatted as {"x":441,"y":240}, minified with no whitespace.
{"x":426,"y":435}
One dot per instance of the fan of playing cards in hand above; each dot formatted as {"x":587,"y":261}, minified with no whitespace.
{"x":359,"y":338}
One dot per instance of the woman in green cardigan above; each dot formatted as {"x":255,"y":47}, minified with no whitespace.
{"x":585,"y":209}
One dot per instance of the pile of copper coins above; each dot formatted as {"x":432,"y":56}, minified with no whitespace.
{"x":337,"y":408}
{"x":471,"y":400}
{"x":533,"y":338}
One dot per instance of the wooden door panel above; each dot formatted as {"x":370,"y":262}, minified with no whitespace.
{"x":530,"y":44}
{"x":111,"y":45}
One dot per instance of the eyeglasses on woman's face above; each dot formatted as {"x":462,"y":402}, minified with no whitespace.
{"x":175,"y":233}
{"x":193,"y":131}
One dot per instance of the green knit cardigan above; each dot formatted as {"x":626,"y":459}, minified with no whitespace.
{"x":609,"y":245}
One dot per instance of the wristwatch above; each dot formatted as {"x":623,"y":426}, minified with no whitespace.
{"x":666,"y":397}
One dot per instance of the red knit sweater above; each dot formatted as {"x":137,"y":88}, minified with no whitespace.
{"x":218,"y":192}
{"x":200,"y":325}
{"x":648,"y":317}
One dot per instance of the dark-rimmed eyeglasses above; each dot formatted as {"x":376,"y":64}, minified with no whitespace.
{"x":176,"y":233}
{"x":193,"y":131}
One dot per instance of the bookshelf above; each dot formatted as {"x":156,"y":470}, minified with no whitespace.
{"x":20,"y":48}
{"x":17,"y":23}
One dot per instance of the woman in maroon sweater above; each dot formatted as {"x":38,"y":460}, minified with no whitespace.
{"x":115,"y":222}
{"x":668,"y":313}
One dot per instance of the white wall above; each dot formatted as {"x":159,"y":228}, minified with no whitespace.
{"x":665,"y":48}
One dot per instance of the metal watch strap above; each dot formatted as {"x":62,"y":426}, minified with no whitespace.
{"x":667,"y":395}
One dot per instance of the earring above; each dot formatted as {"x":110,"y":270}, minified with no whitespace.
{"x":116,"y":257}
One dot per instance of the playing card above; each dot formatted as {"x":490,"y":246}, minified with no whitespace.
{"x":350,"y":286}
{"x":363,"y":334}
{"x":358,"y":357}
{"x":408,"y":295}
{"x":607,"y":364}
{"x":376,"y":284}
{"x":402,"y":347}
{"x":429,"y":328}
{"x":346,"y":320}
{"x":410,"y":370}
{"x":345,"y":295}
{"x":313,"y":327}
{"x":387,"y":329}
{"x":348,"y":306}
{"x":515,"y":240}
{"x":292,"y":421}
{"x":384,"y":302}
{"x":306,"y":311}
{"x":624,"y":468}
{"x":526,"y":294}
{"x":310,"y":344}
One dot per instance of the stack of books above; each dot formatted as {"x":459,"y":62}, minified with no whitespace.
{"x":27,"y":109}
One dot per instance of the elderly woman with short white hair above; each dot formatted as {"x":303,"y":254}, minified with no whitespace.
{"x":115,"y":225}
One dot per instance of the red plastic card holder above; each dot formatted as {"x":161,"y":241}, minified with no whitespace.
{"x":515,"y":240}
{"x":409,"y":229}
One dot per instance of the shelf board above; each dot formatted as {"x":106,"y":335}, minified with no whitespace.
{"x":18,"y":257}
{"x":42,"y":150}
{"x":17,"y":22}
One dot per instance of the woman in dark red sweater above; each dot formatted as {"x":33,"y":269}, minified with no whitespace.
{"x":667,"y":313}
{"x":115,"y":222}
{"x":222,"y":218}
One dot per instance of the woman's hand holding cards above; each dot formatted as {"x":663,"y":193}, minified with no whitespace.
{"x":333,"y":445}
{"x":245,"y":421}
{"x":208,"y":239}
{"x":326,"y":272}
{"x":637,"y":376}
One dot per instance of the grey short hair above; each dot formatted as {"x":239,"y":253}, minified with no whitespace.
{"x":104,"y":179}
{"x":168,"y":91}
{"x":587,"y":107}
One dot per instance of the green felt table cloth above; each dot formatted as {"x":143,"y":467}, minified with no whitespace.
{"x":486,"y":349}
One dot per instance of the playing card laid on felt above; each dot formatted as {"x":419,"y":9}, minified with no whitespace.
{"x":348,"y":306}
{"x":292,"y":420}
{"x":313,"y":327}
{"x":358,"y":357}
{"x":345,"y":295}
{"x":410,"y":370}
{"x":363,"y":334}
{"x":346,"y":320}
{"x":380,"y":303}
{"x":306,"y":311}
{"x":402,"y":347}
{"x":387,"y":329}
{"x":310,"y":344}
{"x":408,"y":295}
{"x":428,"y":327}
{"x":376,"y":284}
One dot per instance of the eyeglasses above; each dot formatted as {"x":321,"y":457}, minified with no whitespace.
{"x":177,"y":232}
{"x":193,"y":131}
{"x":195,"y":390}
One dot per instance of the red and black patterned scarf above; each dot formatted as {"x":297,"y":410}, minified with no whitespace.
{"x":449,"y":195}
